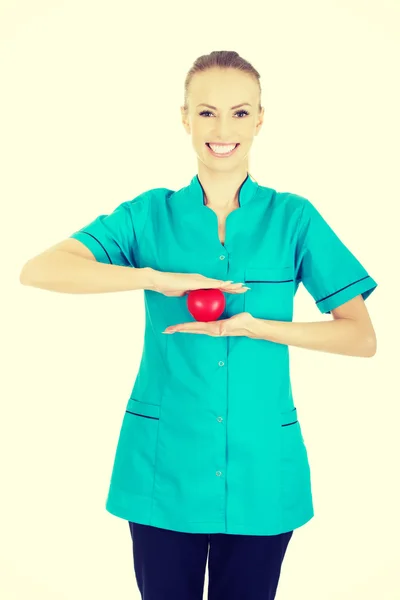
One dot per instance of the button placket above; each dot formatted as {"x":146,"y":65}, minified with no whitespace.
{"x":221,"y":363}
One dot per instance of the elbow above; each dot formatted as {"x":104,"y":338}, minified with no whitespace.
{"x":370,"y":347}
{"x":24,"y":279}
{"x":22,"y":276}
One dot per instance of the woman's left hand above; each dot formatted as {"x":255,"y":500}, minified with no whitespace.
{"x":236,"y":325}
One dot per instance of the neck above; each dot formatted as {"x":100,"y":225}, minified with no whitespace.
{"x":221,"y":190}
{"x":221,"y":205}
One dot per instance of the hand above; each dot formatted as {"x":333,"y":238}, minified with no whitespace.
{"x":179,"y":284}
{"x":233,"y":326}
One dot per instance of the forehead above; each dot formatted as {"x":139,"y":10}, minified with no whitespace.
{"x":223,"y":85}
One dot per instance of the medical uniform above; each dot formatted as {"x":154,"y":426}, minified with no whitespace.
{"x":211,"y":440}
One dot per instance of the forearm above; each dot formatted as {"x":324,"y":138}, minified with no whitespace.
{"x":339,"y":336}
{"x":61,"y":271}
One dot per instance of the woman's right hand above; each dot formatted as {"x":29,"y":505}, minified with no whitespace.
{"x":178,"y":284}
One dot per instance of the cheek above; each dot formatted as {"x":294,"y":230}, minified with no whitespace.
{"x":198,"y":138}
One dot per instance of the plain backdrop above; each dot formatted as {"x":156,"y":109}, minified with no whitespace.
{"x":90,"y":118}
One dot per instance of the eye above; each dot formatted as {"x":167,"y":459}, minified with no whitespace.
{"x":210,"y":113}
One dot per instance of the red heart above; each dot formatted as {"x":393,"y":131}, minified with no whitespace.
{"x":206,"y":305}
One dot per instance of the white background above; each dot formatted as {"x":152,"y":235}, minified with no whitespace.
{"x":90,"y":118}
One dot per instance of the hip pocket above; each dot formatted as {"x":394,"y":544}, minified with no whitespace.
{"x":294,"y":464}
{"x":135,"y":457}
{"x":271,"y":292}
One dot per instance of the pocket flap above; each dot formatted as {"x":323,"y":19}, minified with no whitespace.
{"x":272,"y":274}
{"x":143,"y":408}
{"x":289,"y":416}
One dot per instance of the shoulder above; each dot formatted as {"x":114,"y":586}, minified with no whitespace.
{"x":304,"y":208}
{"x":144,"y":203}
{"x":286,"y":199}
{"x":144,"y":200}
{"x":296,"y":202}
{"x":293,"y":206}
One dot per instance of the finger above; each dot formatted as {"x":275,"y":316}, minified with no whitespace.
{"x":222,"y":283}
{"x":235,"y":287}
{"x":232,"y":286}
{"x":238,"y":291}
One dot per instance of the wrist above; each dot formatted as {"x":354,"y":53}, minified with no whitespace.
{"x":250,"y":325}
{"x":150,"y":278}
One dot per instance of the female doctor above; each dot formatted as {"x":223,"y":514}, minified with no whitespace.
{"x":211,"y":461}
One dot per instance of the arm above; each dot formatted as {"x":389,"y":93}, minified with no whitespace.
{"x":350,"y":333}
{"x":62,"y":271}
{"x":103,"y":256}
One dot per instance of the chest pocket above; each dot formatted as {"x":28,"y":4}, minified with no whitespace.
{"x":271,"y":294}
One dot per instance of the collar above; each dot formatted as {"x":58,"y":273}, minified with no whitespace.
{"x":194,"y":192}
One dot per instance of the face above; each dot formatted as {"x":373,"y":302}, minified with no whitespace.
{"x":223,"y":89}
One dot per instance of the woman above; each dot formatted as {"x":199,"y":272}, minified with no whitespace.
{"x":211,"y":456}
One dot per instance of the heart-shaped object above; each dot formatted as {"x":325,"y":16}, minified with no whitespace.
{"x":206,"y":305}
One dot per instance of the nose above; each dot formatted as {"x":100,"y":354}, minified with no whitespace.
{"x":222,"y":132}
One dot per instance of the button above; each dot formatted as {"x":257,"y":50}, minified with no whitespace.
{"x":221,"y":363}
{"x":222,"y":257}
{"x":218,"y":473}
{"x":219,"y":419}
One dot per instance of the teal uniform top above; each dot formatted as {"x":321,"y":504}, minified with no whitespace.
{"x":211,"y":440}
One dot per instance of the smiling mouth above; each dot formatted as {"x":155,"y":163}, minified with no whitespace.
{"x":221,"y":153}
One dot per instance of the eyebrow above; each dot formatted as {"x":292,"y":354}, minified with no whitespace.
{"x":232,"y":107}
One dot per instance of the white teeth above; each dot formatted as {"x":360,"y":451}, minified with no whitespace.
{"x":222,"y":149}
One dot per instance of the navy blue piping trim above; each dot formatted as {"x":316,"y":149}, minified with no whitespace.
{"x":139,"y":415}
{"x":343,"y":288}
{"x":240,"y":189}
{"x":100,"y":244}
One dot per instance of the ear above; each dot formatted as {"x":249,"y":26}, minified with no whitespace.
{"x":260,"y":121}
{"x":184,"y":120}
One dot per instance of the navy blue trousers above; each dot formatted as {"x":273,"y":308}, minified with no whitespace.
{"x":170,"y":565}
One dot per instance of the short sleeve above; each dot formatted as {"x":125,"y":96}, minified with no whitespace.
{"x":113,"y":238}
{"x":327,"y":268}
